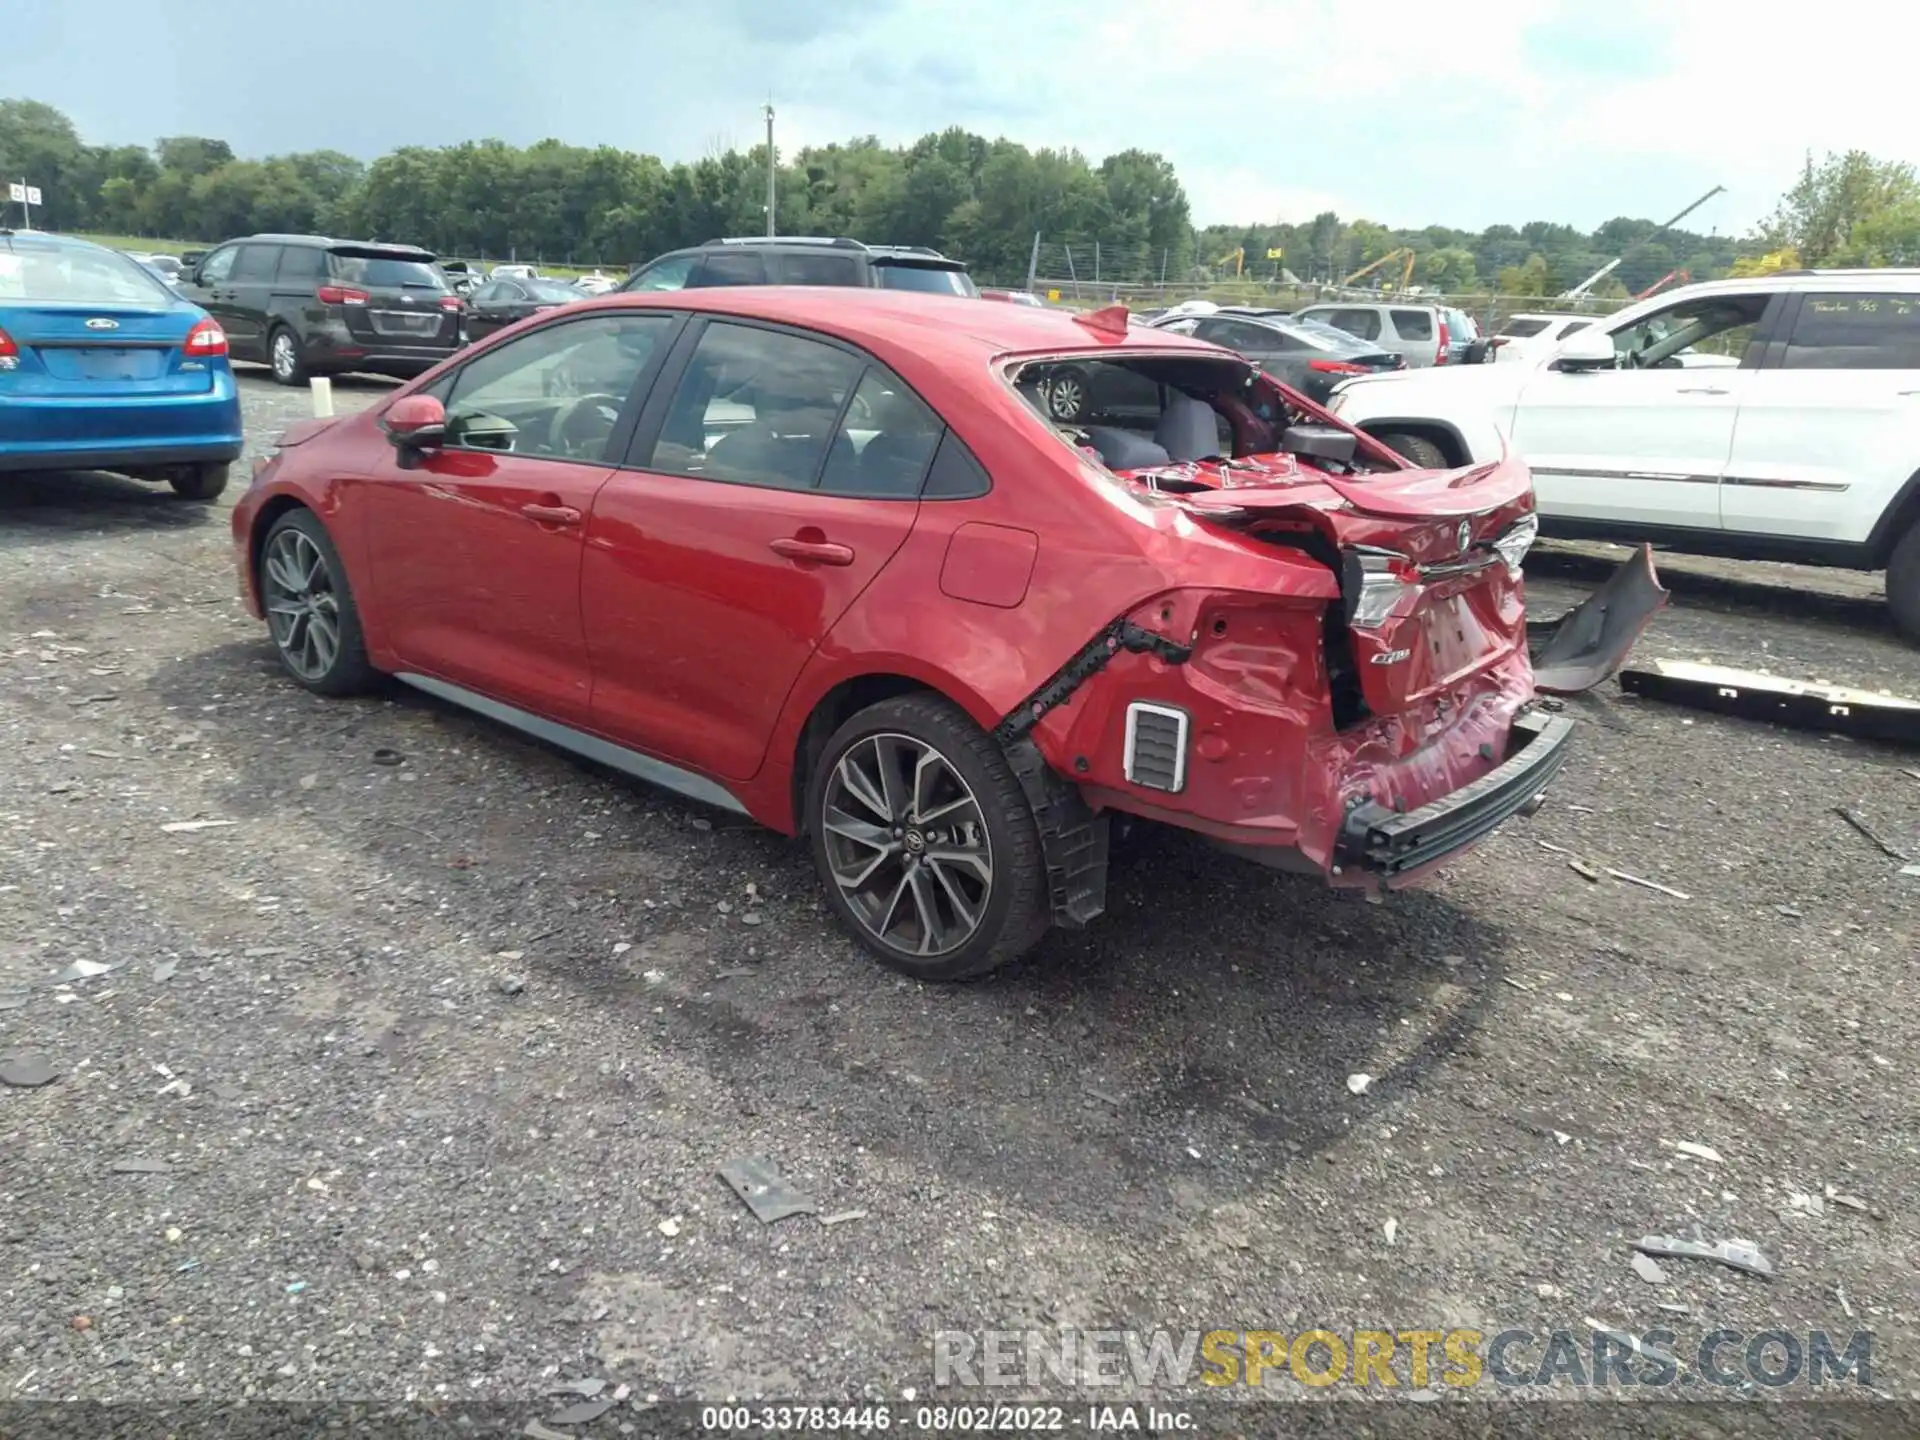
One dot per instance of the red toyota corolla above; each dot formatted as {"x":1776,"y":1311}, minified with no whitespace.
{"x":819,"y":556}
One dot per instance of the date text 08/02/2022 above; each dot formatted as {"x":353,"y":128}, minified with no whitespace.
{"x":943,"y":1419}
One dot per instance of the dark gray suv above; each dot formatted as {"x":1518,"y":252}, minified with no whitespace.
{"x":804,"y":260}
{"x":308,"y":305}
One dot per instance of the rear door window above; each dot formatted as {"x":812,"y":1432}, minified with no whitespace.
{"x":1855,"y":332}
{"x":256,"y":264}
{"x":759,"y":407}
{"x":799,"y":268}
{"x":1413,"y":324}
{"x":1567,"y":330}
{"x":1521,"y":329}
{"x":1238,"y":335}
{"x":1364,"y":323}
{"x":889,"y":438}
{"x":731,"y":267}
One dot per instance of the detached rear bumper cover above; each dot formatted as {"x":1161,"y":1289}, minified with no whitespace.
{"x":1378,"y":841}
{"x":1592,"y":640}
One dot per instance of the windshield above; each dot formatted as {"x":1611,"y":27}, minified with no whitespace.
{"x":79,"y":277}
{"x":1521,"y":329}
{"x":386,"y":270}
{"x":931,"y":279}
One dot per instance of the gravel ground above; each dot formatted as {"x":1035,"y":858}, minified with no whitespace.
{"x":388,"y":1176}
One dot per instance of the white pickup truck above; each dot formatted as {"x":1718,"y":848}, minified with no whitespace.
{"x":1772,"y":418}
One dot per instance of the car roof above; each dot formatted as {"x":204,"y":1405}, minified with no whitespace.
{"x":947,"y":327}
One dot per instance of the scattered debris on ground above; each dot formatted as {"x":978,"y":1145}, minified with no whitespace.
{"x":27,"y":1072}
{"x":1738,"y":1254}
{"x":757,"y":1180}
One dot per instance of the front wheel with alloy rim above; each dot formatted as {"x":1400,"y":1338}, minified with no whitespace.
{"x":925,"y":841}
{"x":310,"y":610}
{"x":283,"y":354}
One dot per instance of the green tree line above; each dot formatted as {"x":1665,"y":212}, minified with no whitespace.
{"x":982,"y":200}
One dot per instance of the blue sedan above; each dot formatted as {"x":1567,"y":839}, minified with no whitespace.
{"x":103,"y":367}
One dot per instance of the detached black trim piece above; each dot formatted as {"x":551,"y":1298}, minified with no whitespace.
{"x":1829,"y":709}
{"x":1091,"y":660}
{"x":1375,"y":839}
{"x":1073,"y":839}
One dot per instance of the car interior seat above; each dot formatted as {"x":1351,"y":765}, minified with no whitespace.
{"x":1188,"y":429}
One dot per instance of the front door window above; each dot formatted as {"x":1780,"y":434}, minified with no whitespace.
{"x":558,"y":393}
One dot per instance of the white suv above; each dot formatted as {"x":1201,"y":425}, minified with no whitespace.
{"x":1772,"y":418}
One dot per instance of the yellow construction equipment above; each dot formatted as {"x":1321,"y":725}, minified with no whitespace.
{"x":1406,"y":270}
{"x":1239,"y":258}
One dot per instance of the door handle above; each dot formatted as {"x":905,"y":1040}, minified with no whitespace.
{"x":819,"y":552}
{"x":1699,"y":390}
{"x":551,"y":514}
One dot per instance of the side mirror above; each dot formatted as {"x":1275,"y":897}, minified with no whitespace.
{"x":416,"y":422}
{"x":1588,"y":349}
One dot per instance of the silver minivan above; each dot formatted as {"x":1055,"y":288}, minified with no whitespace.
{"x":1421,"y":334}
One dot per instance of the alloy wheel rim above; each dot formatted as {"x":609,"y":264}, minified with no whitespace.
{"x":1067,"y":398}
{"x":907,"y":844}
{"x":283,"y":353}
{"x":303,"y":611}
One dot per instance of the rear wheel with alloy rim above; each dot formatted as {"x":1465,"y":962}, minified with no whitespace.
{"x":283,"y":353}
{"x":310,"y":609}
{"x":1067,"y":395}
{"x":925,"y":841}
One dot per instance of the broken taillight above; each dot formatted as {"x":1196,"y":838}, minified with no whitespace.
{"x":1512,"y":546}
{"x":1373,"y":583}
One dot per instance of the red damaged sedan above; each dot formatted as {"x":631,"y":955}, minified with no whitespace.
{"x":821,"y":557}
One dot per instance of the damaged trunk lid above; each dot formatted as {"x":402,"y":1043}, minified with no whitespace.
{"x":1428,"y":562}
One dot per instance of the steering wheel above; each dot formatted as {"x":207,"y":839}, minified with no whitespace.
{"x":582,"y":426}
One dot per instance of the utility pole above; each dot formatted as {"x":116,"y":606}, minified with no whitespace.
{"x":771,"y":172}
{"x":1033,"y":261}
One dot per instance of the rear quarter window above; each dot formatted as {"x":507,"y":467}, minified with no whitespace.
{"x":300,"y":264}
{"x":726,"y":267}
{"x":1855,"y":332}
{"x":802,"y":269}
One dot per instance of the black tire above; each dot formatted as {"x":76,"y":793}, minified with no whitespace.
{"x":346,"y":671}
{"x":1012,"y":913}
{"x":1417,"y":448}
{"x":1068,"y":397}
{"x":199,"y":482}
{"x":286,"y":358}
{"x":1903,"y":583}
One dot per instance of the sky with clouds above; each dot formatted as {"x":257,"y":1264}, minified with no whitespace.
{"x":1403,"y":111}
